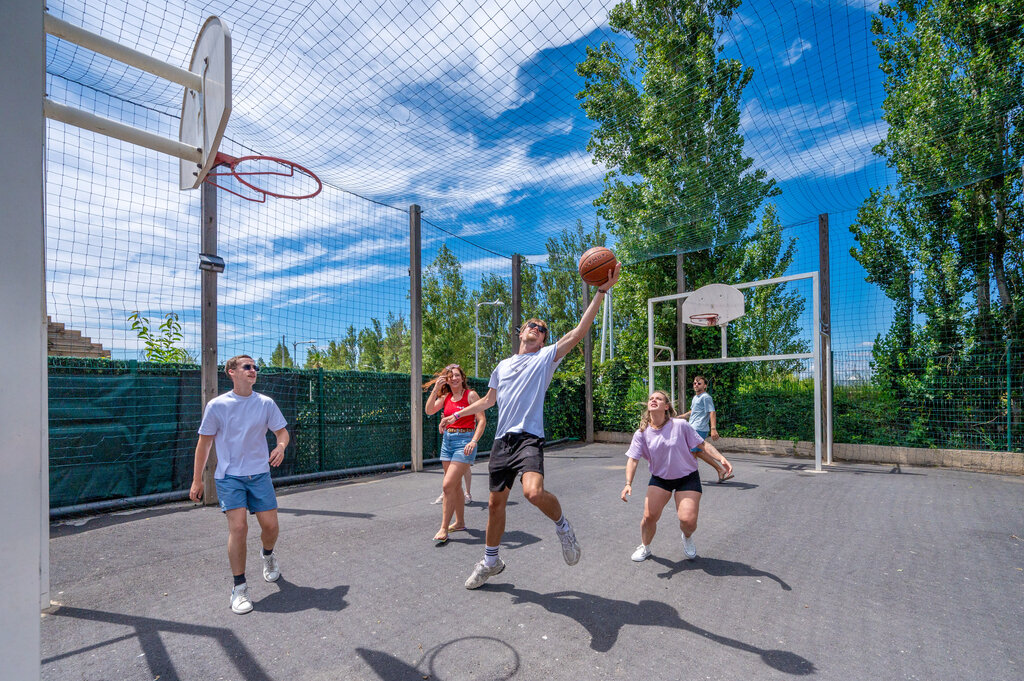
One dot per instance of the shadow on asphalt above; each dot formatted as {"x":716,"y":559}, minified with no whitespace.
{"x":511,"y":540}
{"x":149,"y":630}
{"x":604,"y":618}
{"x":299,"y":512}
{"x":294,"y":598}
{"x":458,"y":656}
{"x":716,"y":567}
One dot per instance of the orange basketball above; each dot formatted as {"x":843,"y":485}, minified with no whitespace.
{"x":596,"y":264}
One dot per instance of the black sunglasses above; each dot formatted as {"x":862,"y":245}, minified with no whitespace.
{"x":250,"y":367}
{"x":534,"y":325}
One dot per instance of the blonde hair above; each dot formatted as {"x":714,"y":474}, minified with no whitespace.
{"x":645,"y":418}
{"x":446,"y":375}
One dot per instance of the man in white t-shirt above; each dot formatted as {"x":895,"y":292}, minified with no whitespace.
{"x":237,"y":422}
{"x":518,"y":385}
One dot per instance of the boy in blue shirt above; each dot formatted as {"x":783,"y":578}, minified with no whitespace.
{"x":703,"y":418}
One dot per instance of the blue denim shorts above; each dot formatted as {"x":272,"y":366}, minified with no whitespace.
{"x":254,"y":492}
{"x":703,"y":436}
{"x":453,"y":447}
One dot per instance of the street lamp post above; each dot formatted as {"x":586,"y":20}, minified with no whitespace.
{"x":476,"y":330}
{"x":295,"y":345}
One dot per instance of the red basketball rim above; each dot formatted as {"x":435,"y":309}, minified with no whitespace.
{"x":705,"y":319}
{"x":290,"y":165}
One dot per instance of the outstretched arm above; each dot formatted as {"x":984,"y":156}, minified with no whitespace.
{"x":708,"y":452}
{"x":478,"y":407}
{"x":572,"y":339}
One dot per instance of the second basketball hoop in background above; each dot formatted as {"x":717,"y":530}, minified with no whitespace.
{"x":596,"y":265}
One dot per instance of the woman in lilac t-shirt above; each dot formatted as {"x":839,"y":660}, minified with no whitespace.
{"x":669,"y":445}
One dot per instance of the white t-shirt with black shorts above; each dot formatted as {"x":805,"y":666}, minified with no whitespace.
{"x":521,"y":382}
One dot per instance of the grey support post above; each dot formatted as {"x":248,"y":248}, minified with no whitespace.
{"x":416,"y":339}
{"x":516,"y":317}
{"x":208,"y":322}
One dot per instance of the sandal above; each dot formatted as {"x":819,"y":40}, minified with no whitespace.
{"x":453,"y":528}
{"x":440,"y":541}
{"x":725,"y":477}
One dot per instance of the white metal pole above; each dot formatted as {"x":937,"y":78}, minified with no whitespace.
{"x":816,"y":340}
{"x":24,"y":503}
{"x":604,"y":324}
{"x":611,"y":326}
{"x":126,"y":133}
{"x":476,"y":341}
{"x":126,"y":55}
{"x":650,"y":346}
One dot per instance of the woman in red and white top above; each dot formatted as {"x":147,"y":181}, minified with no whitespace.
{"x":450,"y":393}
{"x":669,"y":445}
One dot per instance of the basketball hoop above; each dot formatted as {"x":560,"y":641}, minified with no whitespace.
{"x":266,"y":166}
{"x":706,"y":319}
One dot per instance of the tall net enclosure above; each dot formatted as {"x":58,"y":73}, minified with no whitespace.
{"x":701,"y":141}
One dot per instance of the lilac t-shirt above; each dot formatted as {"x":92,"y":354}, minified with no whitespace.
{"x":667,"y":449}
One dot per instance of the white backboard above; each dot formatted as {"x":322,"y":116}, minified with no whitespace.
{"x":722,"y":300}
{"x":204,"y":115}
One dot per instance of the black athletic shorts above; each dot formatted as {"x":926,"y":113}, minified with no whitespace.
{"x":512,"y":454}
{"x":687,"y":483}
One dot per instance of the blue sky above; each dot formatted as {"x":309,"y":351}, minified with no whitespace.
{"x":466,"y":109}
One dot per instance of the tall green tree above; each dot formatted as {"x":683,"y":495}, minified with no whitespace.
{"x":447,"y":314}
{"x":395,"y":348}
{"x":280,"y":357}
{"x":946,"y":242}
{"x":371,"y":347}
{"x":677,"y":181}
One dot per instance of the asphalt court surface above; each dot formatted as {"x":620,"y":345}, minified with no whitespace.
{"x":861,"y":572}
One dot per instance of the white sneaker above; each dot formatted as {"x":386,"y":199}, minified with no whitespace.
{"x":240,"y":603}
{"x":271,"y":568}
{"x":439,"y":499}
{"x":570,"y":547}
{"x":481,"y":572}
{"x":641,"y":554}
{"x":689,"y":548}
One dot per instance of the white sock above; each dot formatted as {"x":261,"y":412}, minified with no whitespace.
{"x":562,"y":524}
{"x":490,"y":556}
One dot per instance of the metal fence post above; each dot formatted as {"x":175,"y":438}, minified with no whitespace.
{"x":416,"y":340}
{"x":321,"y":418}
{"x":1009,"y":398}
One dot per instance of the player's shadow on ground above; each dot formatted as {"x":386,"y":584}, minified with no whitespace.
{"x":294,"y":598}
{"x":299,"y":512}
{"x":150,"y":631}
{"x":715,"y":567}
{"x":511,"y":540}
{"x":604,"y":618}
{"x":728,"y":484}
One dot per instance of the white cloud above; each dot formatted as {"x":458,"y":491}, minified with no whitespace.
{"x":796,"y":51}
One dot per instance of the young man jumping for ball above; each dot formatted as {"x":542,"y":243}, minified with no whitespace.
{"x":518,"y":385}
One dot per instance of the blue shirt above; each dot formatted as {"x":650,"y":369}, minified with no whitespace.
{"x":700,"y":412}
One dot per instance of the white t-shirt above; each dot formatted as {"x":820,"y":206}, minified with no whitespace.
{"x":239,"y":427}
{"x":521,"y":382}
{"x":700,"y":412}
{"x":667,"y":449}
